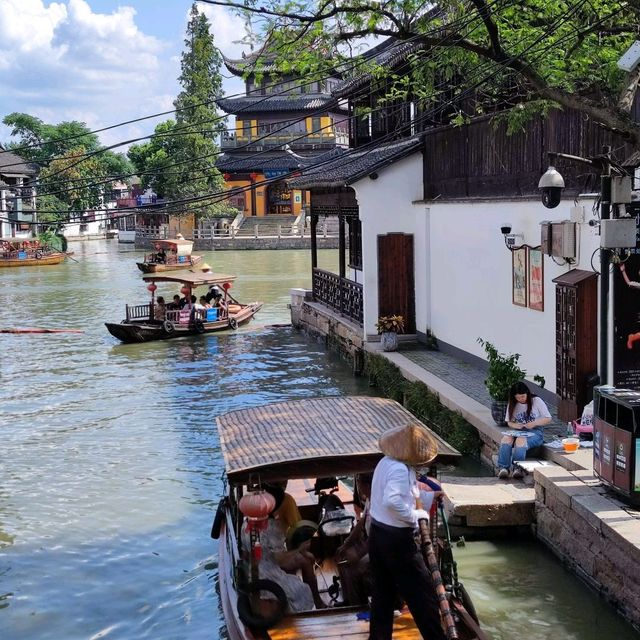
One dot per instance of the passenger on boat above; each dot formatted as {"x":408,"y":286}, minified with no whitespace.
{"x":288,"y":512}
{"x":281,"y":565}
{"x":203,"y":302}
{"x":352,"y":556}
{"x":528,"y":414}
{"x":397,"y":564}
{"x":214,"y":295}
{"x":161,"y":256}
{"x":160,"y":310}
{"x":175,"y":305}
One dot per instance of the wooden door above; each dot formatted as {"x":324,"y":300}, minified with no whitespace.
{"x":396,"y":288}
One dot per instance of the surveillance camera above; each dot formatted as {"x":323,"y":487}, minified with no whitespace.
{"x":505,"y":228}
{"x":551,"y":184}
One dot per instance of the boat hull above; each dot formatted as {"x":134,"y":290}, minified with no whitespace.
{"x":158,"y":267}
{"x":145,"y":331}
{"x":54,"y":258}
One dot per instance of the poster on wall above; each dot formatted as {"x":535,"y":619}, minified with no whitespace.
{"x":519,"y":276}
{"x":535,"y":280}
{"x":626,"y":323}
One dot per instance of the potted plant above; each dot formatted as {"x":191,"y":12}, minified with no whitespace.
{"x":389,"y":327}
{"x":503,"y":372}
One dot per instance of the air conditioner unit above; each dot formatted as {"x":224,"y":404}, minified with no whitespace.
{"x":558,"y":239}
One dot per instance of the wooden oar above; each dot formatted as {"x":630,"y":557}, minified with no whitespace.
{"x":432,"y":564}
{"x":37,"y":330}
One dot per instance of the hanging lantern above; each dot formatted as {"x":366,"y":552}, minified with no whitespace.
{"x":185,"y":290}
{"x":226,"y":176}
{"x":152,"y":287}
{"x":257,"y":505}
{"x":226,"y":286}
{"x":253,"y":176}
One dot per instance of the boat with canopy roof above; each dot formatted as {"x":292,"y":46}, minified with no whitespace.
{"x":314,"y":448}
{"x":142,"y":324}
{"x":170,"y":255}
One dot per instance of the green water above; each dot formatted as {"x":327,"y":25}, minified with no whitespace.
{"x":110,"y":467}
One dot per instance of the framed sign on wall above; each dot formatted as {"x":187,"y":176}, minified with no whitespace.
{"x":519,"y":276}
{"x":535,"y":279}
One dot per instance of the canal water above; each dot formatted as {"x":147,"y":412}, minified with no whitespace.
{"x":110,"y":468}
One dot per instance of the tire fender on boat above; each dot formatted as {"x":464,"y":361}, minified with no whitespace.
{"x":168,"y":326}
{"x":198,"y":325}
{"x":38,"y":255}
{"x":218,"y":519}
{"x":254,"y":620}
{"x":233,"y":323}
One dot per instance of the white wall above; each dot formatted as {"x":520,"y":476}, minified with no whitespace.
{"x":462,"y":267}
{"x":385,"y":207}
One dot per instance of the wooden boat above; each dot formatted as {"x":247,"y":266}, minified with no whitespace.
{"x":140,"y":324}
{"x":301,"y":442}
{"x":28,"y":253}
{"x":170,"y":255}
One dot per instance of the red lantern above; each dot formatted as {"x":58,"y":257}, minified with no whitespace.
{"x":152,"y":287}
{"x":253,"y":176}
{"x":185,"y":290}
{"x":257,"y":505}
{"x":226,"y":286}
{"x":226,"y":176}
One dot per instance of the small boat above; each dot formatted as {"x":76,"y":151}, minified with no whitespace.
{"x":141,"y":325}
{"x":28,"y":253}
{"x":170,"y":255}
{"x":316,"y":446}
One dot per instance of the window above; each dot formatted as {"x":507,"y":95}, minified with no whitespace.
{"x":316,"y":126}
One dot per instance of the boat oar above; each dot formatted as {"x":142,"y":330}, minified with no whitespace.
{"x":70,"y":258}
{"x":37,"y":330}
{"x":432,"y":564}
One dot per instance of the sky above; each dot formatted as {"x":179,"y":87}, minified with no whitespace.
{"x":101,"y":62}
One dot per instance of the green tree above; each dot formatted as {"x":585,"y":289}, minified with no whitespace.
{"x":526,"y":51}
{"x":179,"y":160}
{"x":76,"y":170}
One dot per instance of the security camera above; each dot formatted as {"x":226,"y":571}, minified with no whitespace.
{"x":551,"y":184}
{"x":505,"y":228}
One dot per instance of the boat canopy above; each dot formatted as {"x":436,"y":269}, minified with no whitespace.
{"x":192,"y":277}
{"x":180,"y":246}
{"x":312,"y":438}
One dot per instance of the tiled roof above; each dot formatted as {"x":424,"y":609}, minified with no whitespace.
{"x":388,"y":53}
{"x":258,"y":162}
{"x":12,"y":164}
{"x":350,"y":166}
{"x":262,"y":104}
{"x":250,"y":63}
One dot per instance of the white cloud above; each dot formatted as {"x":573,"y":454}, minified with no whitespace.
{"x":64,"y":61}
{"x":227,"y":28}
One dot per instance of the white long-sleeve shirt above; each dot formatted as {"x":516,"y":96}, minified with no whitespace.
{"x":393,"y":494}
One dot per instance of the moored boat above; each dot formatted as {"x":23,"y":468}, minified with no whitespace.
{"x":28,"y":253}
{"x":311,"y":446}
{"x":170,"y":255}
{"x":142,"y":323}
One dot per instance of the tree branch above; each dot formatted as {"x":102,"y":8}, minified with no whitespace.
{"x":490,"y":26}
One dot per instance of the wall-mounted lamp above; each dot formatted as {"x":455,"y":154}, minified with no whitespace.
{"x":511,"y":240}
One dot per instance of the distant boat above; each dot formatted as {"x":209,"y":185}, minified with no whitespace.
{"x":141,"y":325}
{"x":28,"y":253}
{"x":170,"y":255}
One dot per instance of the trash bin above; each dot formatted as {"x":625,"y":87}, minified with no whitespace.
{"x":616,"y":439}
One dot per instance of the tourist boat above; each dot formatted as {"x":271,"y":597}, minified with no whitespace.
{"x":28,"y":253}
{"x":307,"y":442}
{"x":140,"y":325}
{"x":170,"y":255}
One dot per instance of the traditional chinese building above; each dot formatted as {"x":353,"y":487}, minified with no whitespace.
{"x":282,"y":123}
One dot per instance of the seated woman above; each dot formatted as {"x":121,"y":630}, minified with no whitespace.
{"x":160,"y":310}
{"x":525,"y":413}
{"x":281,"y":566}
{"x":203,"y":303}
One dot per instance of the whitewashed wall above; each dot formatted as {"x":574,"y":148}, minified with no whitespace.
{"x":462,"y":267}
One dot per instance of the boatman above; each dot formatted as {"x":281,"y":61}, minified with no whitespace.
{"x":397,"y":564}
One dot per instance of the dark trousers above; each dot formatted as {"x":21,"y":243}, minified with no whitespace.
{"x":397,"y":567}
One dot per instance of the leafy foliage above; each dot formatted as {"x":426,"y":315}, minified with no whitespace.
{"x":473,"y":55}
{"x":424,"y":404}
{"x":394,"y":324}
{"x":178,"y":163}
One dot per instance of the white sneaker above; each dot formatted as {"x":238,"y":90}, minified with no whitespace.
{"x":503,"y":474}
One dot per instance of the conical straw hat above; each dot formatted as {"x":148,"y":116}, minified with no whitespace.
{"x":411,"y":444}
{"x":205,"y":267}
